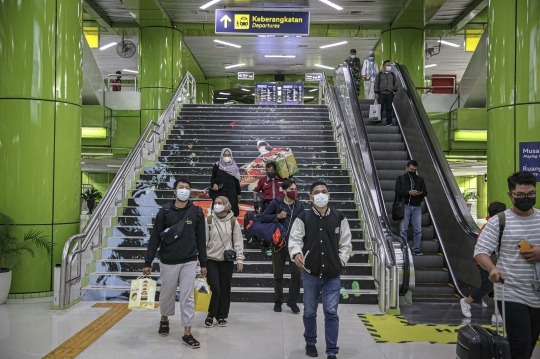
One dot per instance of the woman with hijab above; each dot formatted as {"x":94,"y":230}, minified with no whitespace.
{"x":225,"y":180}
{"x":224,"y":240}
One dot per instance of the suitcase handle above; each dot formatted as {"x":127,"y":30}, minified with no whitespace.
{"x":503,"y":310}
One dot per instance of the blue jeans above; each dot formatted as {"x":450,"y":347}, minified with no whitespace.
{"x":313,"y":286}
{"x":414,"y":215}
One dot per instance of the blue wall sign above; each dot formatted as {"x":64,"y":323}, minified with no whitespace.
{"x":292,"y":93}
{"x":245,"y":22}
{"x":266,"y":93}
{"x":246,"y":76}
{"x":313,"y":77}
{"x":529,"y":158}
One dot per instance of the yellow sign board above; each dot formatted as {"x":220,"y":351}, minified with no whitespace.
{"x":241,"y":21}
{"x":92,"y":36}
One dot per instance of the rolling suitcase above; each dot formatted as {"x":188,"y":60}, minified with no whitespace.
{"x":477,"y":342}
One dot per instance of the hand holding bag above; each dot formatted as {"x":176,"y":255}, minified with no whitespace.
{"x":375,"y":112}
{"x":143,"y":293}
{"x":202,"y":300}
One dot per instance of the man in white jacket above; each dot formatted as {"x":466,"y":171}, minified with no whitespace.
{"x":320,"y":243}
{"x":369,"y":71}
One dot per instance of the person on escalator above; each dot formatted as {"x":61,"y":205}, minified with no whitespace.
{"x":385,"y":89}
{"x":486,"y":287}
{"x":369,"y":72}
{"x":411,"y":189}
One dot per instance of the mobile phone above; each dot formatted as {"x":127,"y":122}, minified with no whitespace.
{"x":524,"y":246}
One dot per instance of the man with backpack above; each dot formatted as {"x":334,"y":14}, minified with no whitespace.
{"x":180,"y":234}
{"x":385,"y":88}
{"x":518,"y":259}
{"x":320,"y":243}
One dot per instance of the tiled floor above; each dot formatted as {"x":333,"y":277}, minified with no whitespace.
{"x":254,"y":331}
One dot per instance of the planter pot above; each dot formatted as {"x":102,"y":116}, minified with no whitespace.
{"x":5,"y":284}
{"x":90,"y":204}
{"x":469,"y":205}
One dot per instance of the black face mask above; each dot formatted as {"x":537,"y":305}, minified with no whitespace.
{"x":272,"y":175}
{"x":524,"y":204}
{"x":412,"y":173}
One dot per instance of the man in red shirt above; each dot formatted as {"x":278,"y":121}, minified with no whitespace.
{"x":269,"y":187}
{"x":117,"y":80}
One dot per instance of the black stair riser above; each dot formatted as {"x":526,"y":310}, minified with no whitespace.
{"x":211,"y":160}
{"x":304,"y":128}
{"x":301,"y":187}
{"x":208,"y":167}
{"x":190,"y":171}
{"x":248,"y":156}
{"x":276,"y":139}
{"x":168,"y":177}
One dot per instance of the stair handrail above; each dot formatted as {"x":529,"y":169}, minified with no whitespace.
{"x":146,"y":148}
{"x":385,"y":270}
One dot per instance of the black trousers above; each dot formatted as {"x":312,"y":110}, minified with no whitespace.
{"x":485,"y":288}
{"x":219,"y":275}
{"x":385,"y":100}
{"x":279,"y":257}
{"x":523,"y":327}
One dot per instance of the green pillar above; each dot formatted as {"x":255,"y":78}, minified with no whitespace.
{"x":40,"y":127}
{"x":513,"y":88}
{"x":160,"y":69}
{"x":405,"y":46}
{"x":481,"y":202}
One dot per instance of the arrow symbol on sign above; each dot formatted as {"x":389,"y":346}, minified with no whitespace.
{"x":225,"y":20}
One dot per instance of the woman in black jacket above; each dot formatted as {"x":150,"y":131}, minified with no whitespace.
{"x":225,"y":180}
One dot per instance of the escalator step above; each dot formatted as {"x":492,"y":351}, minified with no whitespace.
{"x":387,"y":146}
{"x":428,"y":233}
{"x":389,"y":174}
{"x":428,"y":261}
{"x":428,"y":246}
{"x":431,"y":275}
{"x":386,"y":137}
{"x":391,"y":165}
{"x":390,"y":155}
{"x":437,"y":289}
{"x":382,"y":130}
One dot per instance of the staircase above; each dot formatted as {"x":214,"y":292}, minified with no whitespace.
{"x":433,"y":281}
{"x":193,"y":146}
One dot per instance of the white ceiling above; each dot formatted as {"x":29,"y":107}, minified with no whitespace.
{"x":109,"y":61}
{"x":468,"y":168}
{"x":450,"y":60}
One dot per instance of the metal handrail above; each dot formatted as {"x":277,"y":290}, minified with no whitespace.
{"x":146,"y":148}
{"x":132,"y":76}
{"x":385,"y":269}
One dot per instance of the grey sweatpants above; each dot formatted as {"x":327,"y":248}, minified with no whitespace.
{"x":173,"y":275}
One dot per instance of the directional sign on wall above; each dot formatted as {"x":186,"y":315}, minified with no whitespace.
{"x":529,"y":158}
{"x":313,"y":77}
{"x":262,"y":22}
{"x":246,"y":75}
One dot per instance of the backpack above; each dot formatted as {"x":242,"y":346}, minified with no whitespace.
{"x":502,"y":224}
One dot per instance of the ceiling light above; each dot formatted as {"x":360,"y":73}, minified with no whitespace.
{"x":308,"y":96}
{"x":225,"y":93}
{"x":448,"y":43}
{"x":336,"y":44}
{"x":108,"y":45}
{"x":324,"y":67}
{"x":288,"y":56}
{"x":221,"y":98}
{"x":245,"y":90}
{"x":227,"y":43}
{"x":329,"y":3}
{"x":114,"y":166}
{"x":431,"y":65}
{"x":135,"y":72}
{"x":237,"y":65}
{"x":209,"y":4}
{"x":313,"y":90}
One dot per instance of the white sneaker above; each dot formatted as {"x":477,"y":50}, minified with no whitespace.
{"x":494,"y":319}
{"x":465,"y":308}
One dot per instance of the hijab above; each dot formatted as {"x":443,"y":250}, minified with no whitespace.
{"x":227,"y":209}
{"x":231,"y":167}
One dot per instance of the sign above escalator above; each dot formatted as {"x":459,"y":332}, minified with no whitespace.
{"x":314,"y":77}
{"x":244,"y":22}
{"x":246,"y":76}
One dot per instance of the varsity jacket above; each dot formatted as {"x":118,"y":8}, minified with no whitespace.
{"x":324,"y":240}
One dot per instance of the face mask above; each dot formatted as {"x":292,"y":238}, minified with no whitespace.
{"x":218,"y":208}
{"x":182,"y":194}
{"x":272,"y":175}
{"x":524,"y":204}
{"x":320,"y":200}
{"x":372,"y":57}
{"x":353,"y":56}
{"x":227,"y":159}
{"x":292,"y":194}
{"x":388,"y":68}
{"x":412,"y":173}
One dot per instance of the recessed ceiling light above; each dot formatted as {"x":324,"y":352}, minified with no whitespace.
{"x":108,"y":45}
{"x":225,"y":93}
{"x":287,"y":56}
{"x":209,"y":4}
{"x":221,"y":98}
{"x":237,"y":65}
{"x":329,"y":3}
{"x":324,"y":67}
{"x":227,"y":43}
{"x":331,"y":45}
{"x":245,"y":90}
{"x":313,"y":90}
{"x":431,"y":65}
{"x":135,"y":72}
{"x":448,"y":43}
{"x":308,"y":96}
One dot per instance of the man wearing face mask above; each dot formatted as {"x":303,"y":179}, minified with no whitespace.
{"x":518,"y":263}
{"x":411,"y":189}
{"x":385,"y":88}
{"x":355,"y":66}
{"x":285,"y":210}
{"x":320,"y":243}
{"x":369,"y":72}
{"x":178,"y":257}
{"x":269,"y":187}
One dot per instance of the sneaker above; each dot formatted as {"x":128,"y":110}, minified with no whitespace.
{"x":331,"y":357}
{"x":294,"y":308}
{"x":465,"y":308}
{"x":417,"y":253}
{"x":277,"y":308}
{"x":311,"y":351}
{"x":494,"y":319}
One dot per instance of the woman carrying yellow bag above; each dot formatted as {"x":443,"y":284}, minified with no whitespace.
{"x":224,"y":245}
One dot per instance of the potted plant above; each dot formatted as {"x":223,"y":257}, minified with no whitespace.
{"x":12,"y":249}
{"x":91,"y":196}
{"x":469,"y":197}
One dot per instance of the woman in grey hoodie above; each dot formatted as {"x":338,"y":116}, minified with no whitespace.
{"x":223,"y":235}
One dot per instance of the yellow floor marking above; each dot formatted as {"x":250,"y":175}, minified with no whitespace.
{"x":396,"y":329}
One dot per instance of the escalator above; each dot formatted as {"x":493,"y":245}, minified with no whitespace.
{"x":446,"y":271}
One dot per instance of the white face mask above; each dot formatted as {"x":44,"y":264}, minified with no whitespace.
{"x":218,"y":208}
{"x":227,"y":159}
{"x":353,"y":56}
{"x":320,"y":199}
{"x":388,"y":68}
{"x":182,"y":194}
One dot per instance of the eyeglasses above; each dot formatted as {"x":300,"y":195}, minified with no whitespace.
{"x":524,"y":195}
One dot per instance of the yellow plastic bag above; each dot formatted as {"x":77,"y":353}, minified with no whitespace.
{"x":143,"y":293}
{"x":202,"y":300}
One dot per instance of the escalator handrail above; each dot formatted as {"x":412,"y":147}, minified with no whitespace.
{"x":374,"y":183}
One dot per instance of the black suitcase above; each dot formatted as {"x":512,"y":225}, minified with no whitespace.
{"x":476,"y":342}
{"x":248,"y":217}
